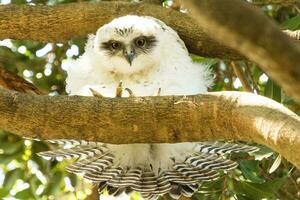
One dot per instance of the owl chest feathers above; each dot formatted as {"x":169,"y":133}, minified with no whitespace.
{"x":173,"y":78}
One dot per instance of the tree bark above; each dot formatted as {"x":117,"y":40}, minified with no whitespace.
{"x":74,"y":20}
{"x":11,"y":81}
{"x":249,"y":31}
{"x":274,"y":2}
{"x":211,"y":116}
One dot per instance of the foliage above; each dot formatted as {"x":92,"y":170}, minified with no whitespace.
{"x":23,"y":175}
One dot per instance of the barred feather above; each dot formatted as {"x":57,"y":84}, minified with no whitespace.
{"x":196,"y":173}
{"x":80,"y":152}
{"x":67,"y":142}
{"x":101,"y":187}
{"x":92,"y":165}
{"x":224,"y":148}
{"x":97,"y":162}
{"x":210,"y":161}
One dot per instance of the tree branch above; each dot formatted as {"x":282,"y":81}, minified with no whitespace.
{"x":260,"y":40}
{"x":74,"y":20}
{"x":11,"y":81}
{"x":219,"y":115}
{"x":274,"y":2}
{"x":240,"y":74}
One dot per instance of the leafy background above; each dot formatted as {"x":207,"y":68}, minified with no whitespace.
{"x":23,"y":175}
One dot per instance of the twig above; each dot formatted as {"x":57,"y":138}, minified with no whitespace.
{"x":11,"y":81}
{"x":159,"y":2}
{"x":240,"y":74}
{"x":250,"y":75}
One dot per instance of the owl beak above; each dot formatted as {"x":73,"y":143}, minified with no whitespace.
{"x":129,"y":54}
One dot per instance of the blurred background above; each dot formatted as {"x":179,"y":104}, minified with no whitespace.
{"x":24,"y":175}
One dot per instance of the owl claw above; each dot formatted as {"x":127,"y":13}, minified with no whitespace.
{"x":131,"y":94}
{"x":95,"y":93}
{"x":119,"y":89}
{"x":157,"y":93}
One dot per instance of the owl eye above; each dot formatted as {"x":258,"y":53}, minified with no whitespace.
{"x":140,"y":42}
{"x":115,"y":45}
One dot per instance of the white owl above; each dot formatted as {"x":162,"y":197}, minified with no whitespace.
{"x":146,"y":55}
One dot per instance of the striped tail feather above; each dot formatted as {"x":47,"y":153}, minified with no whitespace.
{"x":70,"y":142}
{"x":105,"y":175}
{"x":163,"y":185}
{"x":149,"y":196}
{"x":195,"y":173}
{"x":79,"y":152}
{"x":189,"y":190}
{"x":128,"y":178}
{"x":97,"y":163}
{"x":178,"y":190}
{"x":210,"y":161}
{"x":92,"y":165}
{"x":221,"y":148}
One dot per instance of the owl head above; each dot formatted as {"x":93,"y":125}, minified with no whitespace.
{"x":132,"y":44}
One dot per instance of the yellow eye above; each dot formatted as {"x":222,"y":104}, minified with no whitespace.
{"x":115,"y":45}
{"x":140,"y":42}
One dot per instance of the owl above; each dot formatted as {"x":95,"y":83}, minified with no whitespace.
{"x":146,"y":56}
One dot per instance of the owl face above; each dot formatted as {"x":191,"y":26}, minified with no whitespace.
{"x":129,"y":44}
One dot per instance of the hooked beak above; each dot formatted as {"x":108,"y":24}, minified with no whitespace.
{"x":129,"y":54}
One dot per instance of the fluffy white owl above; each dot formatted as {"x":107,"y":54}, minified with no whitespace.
{"x":145,"y":54}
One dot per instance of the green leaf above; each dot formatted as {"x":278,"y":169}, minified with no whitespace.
{"x":292,"y":23}
{"x":250,"y":170}
{"x":207,"y":187}
{"x":10,"y":148}
{"x":206,"y":61}
{"x":25,"y":194}
{"x":273,"y":185}
{"x":3,"y":192}
{"x":263,"y":153}
{"x":272,"y":90}
{"x":55,"y":184}
{"x":275,"y":164}
{"x":5,"y":159}
{"x":135,"y":196}
{"x":73,"y":179}
{"x":256,"y":191}
{"x":11,"y":177}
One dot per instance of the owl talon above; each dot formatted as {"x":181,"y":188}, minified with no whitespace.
{"x":157,"y":93}
{"x":95,"y":93}
{"x":131,"y":94}
{"x":119,"y":89}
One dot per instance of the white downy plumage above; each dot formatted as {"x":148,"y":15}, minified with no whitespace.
{"x":159,"y":59}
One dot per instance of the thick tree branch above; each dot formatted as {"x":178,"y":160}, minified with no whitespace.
{"x":68,"y":21}
{"x":220,"y":115}
{"x":274,"y":2}
{"x":260,"y":40}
